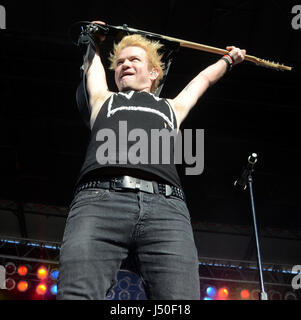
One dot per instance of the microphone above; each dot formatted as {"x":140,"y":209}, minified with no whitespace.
{"x":252,"y":159}
{"x":243,"y":180}
{"x":97,"y":28}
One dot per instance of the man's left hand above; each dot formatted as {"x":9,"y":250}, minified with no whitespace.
{"x":237,"y":54}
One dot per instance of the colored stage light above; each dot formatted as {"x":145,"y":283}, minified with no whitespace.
{"x":53,"y":289}
{"x":10,"y":268}
{"x":244,"y":294}
{"x":207,"y":298}
{"x":41,"y":289}
{"x":22,"y":270}
{"x":22,"y":286}
{"x":42,"y":273}
{"x":54,"y":274}
{"x":223,"y":293}
{"x":255,"y":294}
{"x":10,"y":284}
{"x":211,"y":292}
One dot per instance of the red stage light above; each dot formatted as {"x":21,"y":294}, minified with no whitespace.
{"x":245,"y":294}
{"x":41,"y":289}
{"x":22,"y":286}
{"x":22,"y":271}
{"x":42,"y":273}
{"x":223,"y":294}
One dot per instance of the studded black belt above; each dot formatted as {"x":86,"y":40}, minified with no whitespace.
{"x":131,"y":183}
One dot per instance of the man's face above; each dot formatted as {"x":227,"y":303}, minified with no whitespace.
{"x":132,"y":71}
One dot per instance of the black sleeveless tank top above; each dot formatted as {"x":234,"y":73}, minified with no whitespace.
{"x":123,"y":139}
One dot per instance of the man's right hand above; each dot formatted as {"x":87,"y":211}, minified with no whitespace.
{"x":99,"y":37}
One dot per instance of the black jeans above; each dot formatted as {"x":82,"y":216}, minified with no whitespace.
{"x":104,"y":226}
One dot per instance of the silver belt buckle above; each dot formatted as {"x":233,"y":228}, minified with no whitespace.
{"x":134,"y":183}
{"x":138,"y":184}
{"x":146,"y":186}
{"x":129,"y":182}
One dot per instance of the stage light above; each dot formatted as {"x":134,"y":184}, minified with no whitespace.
{"x":53,"y":289}
{"x":111,"y":295}
{"x":41,"y":289}
{"x":255,"y":294}
{"x":275,"y":295}
{"x":124,"y":295}
{"x":211,"y":291}
{"x":244,"y":294}
{"x":222,"y":293}
{"x":22,"y":270}
{"x":42,"y":273}
{"x":208,"y":298}
{"x":10,"y":284}
{"x":290,"y":296}
{"x":54,"y":274}
{"x":10,"y":268}
{"x":124,"y":283}
{"x":22,"y":286}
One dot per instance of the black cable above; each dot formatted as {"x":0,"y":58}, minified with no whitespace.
{"x":87,"y":45}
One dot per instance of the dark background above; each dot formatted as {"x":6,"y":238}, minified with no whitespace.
{"x":252,"y":109}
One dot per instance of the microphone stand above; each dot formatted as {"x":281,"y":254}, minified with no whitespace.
{"x":246,"y":178}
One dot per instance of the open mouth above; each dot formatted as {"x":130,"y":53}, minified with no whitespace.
{"x":127,"y":74}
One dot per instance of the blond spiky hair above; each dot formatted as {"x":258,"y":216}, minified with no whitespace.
{"x":151,"y":48}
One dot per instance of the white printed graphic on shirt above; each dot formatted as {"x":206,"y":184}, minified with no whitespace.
{"x":111,"y":111}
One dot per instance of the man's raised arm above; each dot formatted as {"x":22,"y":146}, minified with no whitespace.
{"x":188,"y":97}
{"x":97,"y":87}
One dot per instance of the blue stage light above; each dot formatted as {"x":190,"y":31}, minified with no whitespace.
{"x":53,"y":289}
{"x":211,"y":292}
{"x":54,"y":274}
